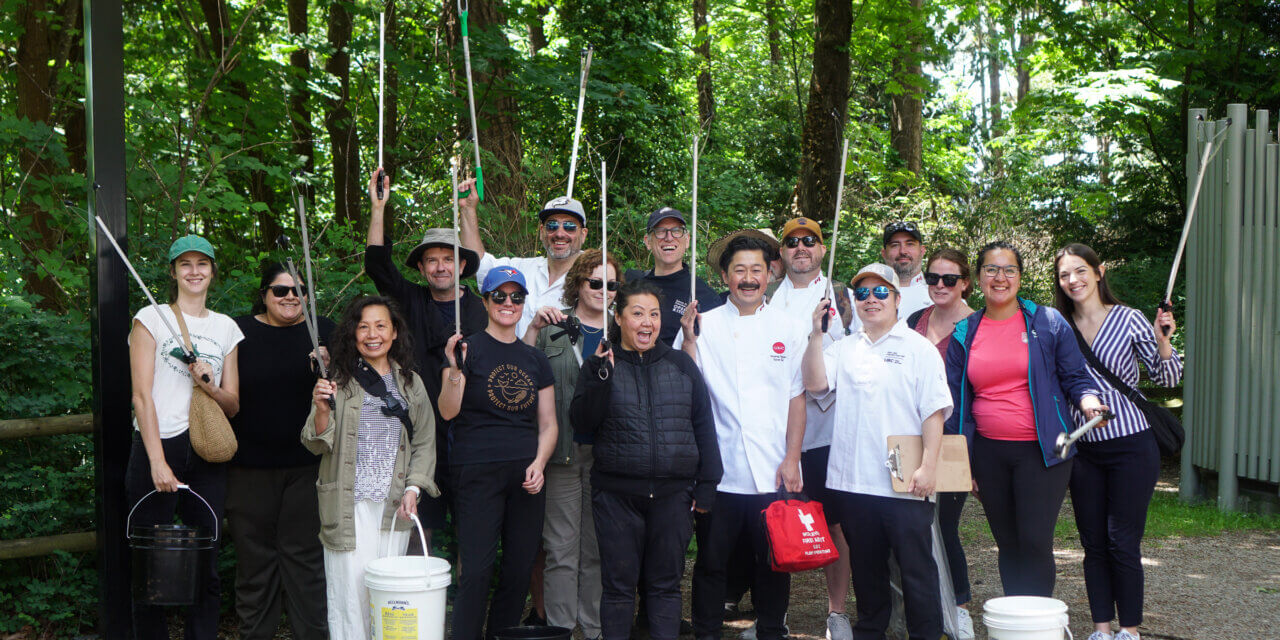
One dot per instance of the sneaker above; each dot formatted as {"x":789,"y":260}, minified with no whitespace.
{"x":1099,"y":635}
{"x":733,"y":612}
{"x":964,"y":624}
{"x":749,"y":633}
{"x":838,"y":627}
{"x":1125,"y":635}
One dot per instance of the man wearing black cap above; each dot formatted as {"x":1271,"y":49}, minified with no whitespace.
{"x":429,"y":311}
{"x":904,"y":251}
{"x":668,"y":240}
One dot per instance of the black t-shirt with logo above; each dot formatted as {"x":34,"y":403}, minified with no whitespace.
{"x":498,"y":421}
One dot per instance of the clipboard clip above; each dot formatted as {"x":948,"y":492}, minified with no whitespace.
{"x":894,"y":463}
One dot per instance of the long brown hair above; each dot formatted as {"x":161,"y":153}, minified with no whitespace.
{"x":580,"y":272}
{"x":958,"y":257}
{"x":1061,"y":300}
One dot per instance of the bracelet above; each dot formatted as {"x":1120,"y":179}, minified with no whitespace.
{"x":456,"y":379}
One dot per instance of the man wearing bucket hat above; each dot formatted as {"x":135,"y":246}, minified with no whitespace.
{"x":891,"y":381}
{"x":667,"y":239}
{"x":562,"y":230}
{"x":429,"y":311}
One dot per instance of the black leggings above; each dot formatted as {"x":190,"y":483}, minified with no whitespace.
{"x":1022,"y":498}
{"x":950,"y":505}
{"x":1111,"y":488}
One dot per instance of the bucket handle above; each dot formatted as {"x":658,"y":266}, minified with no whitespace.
{"x":426,"y":549}
{"x":128,"y":529}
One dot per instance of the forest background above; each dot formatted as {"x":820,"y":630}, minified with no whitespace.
{"x":1039,"y":121}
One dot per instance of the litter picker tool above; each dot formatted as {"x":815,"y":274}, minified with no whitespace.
{"x":585,"y":70}
{"x":1166,"y":303}
{"x":457,"y":284}
{"x":1064,"y":441}
{"x":382,"y":58}
{"x":604,"y":249}
{"x":188,"y":357}
{"x":471,"y":96}
{"x":693,"y":236}
{"x":307,"y":315}
{"x":306,"y":257}
{"x":835,"y":231}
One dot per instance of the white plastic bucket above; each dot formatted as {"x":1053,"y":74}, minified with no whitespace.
{"x":1025,"y":618}
{"x":407,"y":596}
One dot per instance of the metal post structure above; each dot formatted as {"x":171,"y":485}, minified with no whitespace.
{"x":109,"y":287}
{"x":1189,"y":483}
{"x":1234,"y":190}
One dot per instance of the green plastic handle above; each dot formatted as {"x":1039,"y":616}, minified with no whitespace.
{"x":479,"y":185}
{"x":463,"y":16}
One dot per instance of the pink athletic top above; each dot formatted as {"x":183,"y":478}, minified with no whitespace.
{"x":998,"y":360}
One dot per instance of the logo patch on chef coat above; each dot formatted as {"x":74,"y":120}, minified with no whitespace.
{"x":893,"y":357}
{"x":779,"y":348}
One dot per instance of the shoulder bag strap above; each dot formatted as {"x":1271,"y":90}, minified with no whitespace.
{"x":1097,"y":365}
{"x":186,"y":338}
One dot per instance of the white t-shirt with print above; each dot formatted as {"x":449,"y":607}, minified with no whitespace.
{"x":213,"y":336}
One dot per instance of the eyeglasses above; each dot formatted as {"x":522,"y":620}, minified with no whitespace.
{"x":862,"y":293}
{"x":280,"y":290}
{"x":948,"y":279}
{"x":596,"y":283}
{"x":499,"y":297}
{"x":894,"y":227}
{"x":991,"y":270}
{"x":792,"y":242}
{"x":669,"y":232}
{"x":556,"y":225}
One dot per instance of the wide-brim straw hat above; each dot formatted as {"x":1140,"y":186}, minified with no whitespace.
{"x":717,"y":248}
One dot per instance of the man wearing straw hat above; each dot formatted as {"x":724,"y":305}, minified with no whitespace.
{"x":429,"y":311}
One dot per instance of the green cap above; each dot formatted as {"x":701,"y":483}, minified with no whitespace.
{"x":190,"y":243}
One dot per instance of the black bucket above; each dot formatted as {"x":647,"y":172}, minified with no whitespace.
{"x":169,"y":560}
{"x":534,"y":633}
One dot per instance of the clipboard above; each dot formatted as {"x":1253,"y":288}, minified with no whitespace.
{"x":905,"y":453}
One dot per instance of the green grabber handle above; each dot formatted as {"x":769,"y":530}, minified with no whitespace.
{"x":479,"y":185}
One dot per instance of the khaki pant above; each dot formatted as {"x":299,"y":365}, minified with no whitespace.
{"x":572,"y":576}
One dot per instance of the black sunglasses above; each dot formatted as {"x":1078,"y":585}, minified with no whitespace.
{"x":596,"y":283}
{"x":948,"y":279}
{"x":280,"y":290}
{"x":499,"y":297}
{"x":556,"y":225}
{"x":862,"y":293}
{"x":894,"y":227}
{"x":794,"y":241}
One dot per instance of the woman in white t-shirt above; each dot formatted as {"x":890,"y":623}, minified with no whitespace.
{"x":161,"y":457}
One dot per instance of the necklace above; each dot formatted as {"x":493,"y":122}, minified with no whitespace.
{"x":586,"y":329}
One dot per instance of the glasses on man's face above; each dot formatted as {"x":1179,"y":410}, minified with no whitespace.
{"x":556,"y":225}
{"x":862,"y":293}
{"x":663,"y":233}
{"x":992,"y":270}
{"x":948,"y":279}
{"x":792,"y":242}
{"x":596,"y":283}
{"x":500,"y":297}
{"x":281,"y":291}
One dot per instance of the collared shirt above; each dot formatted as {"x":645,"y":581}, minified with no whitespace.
{"x":751,"y":365}
{"x":799,"y":304}
{"x":537,"y":277}
{"x":915,"y":296}
{"x":886,"y":388}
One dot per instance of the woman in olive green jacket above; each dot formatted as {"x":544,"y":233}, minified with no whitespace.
{"x":377,"y":447}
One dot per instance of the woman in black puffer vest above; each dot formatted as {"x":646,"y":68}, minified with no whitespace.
{"x":656,"y":460}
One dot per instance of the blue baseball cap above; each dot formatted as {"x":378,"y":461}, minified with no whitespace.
{"x":499,"y":276}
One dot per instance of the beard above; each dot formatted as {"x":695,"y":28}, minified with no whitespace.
{"x":569,"y":250}
{"x":906,"y":271}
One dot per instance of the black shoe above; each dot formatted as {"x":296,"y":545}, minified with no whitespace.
{"x":686,"y":627}
{"x":733,"y":612}
{"x":532,"y":620}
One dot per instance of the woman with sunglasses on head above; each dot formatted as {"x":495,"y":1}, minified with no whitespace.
{"x":272,"y":513}
{"x":1015,"y":372}
{"x":498,"y":392}
{"x":377,"y":453}
{"x":1116,"y":466}
{"x":947,"y":277}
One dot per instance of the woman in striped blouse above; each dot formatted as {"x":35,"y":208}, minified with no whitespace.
{"x":1117,"y":464}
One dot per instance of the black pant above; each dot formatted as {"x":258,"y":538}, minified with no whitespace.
{"x":274,"y":519}
{"x":950,"y":505}
{"x":490,"y":505}
{"x":635,"y":533}
{"x":874,"y":526}
{"x":1022,"y":498}
{"x":210,"y":481}
{"x":1111,"y":487}
{"x":733,"y":517}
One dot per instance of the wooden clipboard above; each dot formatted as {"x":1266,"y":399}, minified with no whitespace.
{"x":905,"y":452}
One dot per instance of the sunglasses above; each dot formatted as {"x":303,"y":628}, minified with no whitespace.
{"x":499,"y":297}
{"x":792,"y":242}
{"x":556,"y":225}
{"x":992,"y":270}
{"x":948,"y":280}
{"x":280,"y":290}
{"x":862,"y":293}
{"x":894,"y":227}
{"x":596,"y":283}
{"x":669,"y":232}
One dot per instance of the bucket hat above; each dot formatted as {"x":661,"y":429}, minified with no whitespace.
{"x":717,"y":248}
{"x":447,"y":238}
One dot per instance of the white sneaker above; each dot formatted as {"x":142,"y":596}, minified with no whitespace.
{"x":838,"y":627}
{"x":749,"y":633}
{"x":964,"y":624}
{"x":1125,"y":635}
{"x":1099,"y":635}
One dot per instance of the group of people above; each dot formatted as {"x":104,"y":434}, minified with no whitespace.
{"x":577,"y":426}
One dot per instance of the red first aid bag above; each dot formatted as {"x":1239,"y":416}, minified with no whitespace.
{"x":798,"y":535}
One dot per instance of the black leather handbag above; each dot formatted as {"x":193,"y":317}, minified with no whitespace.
{"x":1169,"y":433}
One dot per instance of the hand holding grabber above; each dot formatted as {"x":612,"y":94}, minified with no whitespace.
{"x":307,"y":315}
{"x":382,"y":42}
{"x":1064,"y":441}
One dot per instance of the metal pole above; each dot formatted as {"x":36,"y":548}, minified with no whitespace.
{"x":463,"y":10}
{"x":457,"y":235}
{"x":584,"y":70}
{"x":693,"y":236}
{"x":835,"y":227}
{"x":1230,"y":335}
{"x":1189,"y":481}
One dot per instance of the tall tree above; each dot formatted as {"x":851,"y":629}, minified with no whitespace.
{"x":340,"y":121}
{"x":994,"y":68}
{"x":906,"y":112}
{"x":537,"y":30}
{"x":304,"y":145}
{"x":772,"y":34}
{"x":815,"y":192}
{"x":1028,"y":20}
{"x":702,"y":36}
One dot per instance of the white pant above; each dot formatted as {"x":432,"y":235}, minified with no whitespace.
{"x":347,"y":597}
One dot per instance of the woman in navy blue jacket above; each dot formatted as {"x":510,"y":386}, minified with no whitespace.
{"x":1015,"y":371}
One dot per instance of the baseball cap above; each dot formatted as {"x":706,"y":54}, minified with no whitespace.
{"x":499,"y":276}
{"x":802,"y":224}
{"x":900,"y":226}
{"x":876,"y":269}
{"x":663,"y":214}
{"x":446,"y":238}
{"x":563,"y":204}
{"x":190,"y":243}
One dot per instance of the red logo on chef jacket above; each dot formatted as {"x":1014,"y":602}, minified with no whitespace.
{"x":779,"y":348}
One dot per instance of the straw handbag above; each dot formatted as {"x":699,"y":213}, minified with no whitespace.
{"x":211,"y":434}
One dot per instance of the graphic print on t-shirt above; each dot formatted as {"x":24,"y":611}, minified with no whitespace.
{"x":510,"y":388}
{"x":206,"y":349}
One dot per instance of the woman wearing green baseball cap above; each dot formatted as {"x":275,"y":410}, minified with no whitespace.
{"x":161,"y":457}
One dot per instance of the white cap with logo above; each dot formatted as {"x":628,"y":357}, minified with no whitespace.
{"x":882,"y":271}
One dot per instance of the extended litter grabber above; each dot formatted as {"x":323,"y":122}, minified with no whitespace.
{"x":835,"y":234}
{"x":1063,"y":444}
{"x":471,"y":96}
{"x":584,"y":59}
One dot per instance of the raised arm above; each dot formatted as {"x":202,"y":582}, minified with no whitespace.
{"x":468,"y":220}
{"x":377,"y":228}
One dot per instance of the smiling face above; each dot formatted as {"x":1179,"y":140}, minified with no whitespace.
{"x":668,"y":250}
{"x":507,"y":313}
{"x":436,"y":267}
{"x":904,"y":253}
{"x":999,"y":289}
{"x":375,"y":333}
{"x":803,"y":261}
{"x":193,"y":272}
{"x":1078,"y":279}
{"x":640,"y":321}
{"x":561,"y":244}
{"x":594,"y":299}
{"x":941,"y":294}
{"x":746,"y":276}
{"x":287,"y":310}
{"x":875,"y":313}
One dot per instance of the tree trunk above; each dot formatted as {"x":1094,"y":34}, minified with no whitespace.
{"x":1026,"y":40}
{"x":906,"y":117}
{"x":340,"y":122}
{"x":304,"y":145}
{"x":537,"y":33}
{"x":815,"y":192}
{"x":774,"y":37}
{"x":994,"y":67}
{"x":706,"y":99}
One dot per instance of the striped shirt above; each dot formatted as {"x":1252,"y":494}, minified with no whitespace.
{"x":377,"y":440}
{"x":1125,"y":338}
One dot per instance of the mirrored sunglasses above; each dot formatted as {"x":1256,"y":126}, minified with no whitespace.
{"x":862,"y":293}
{"x":556,"y":225}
